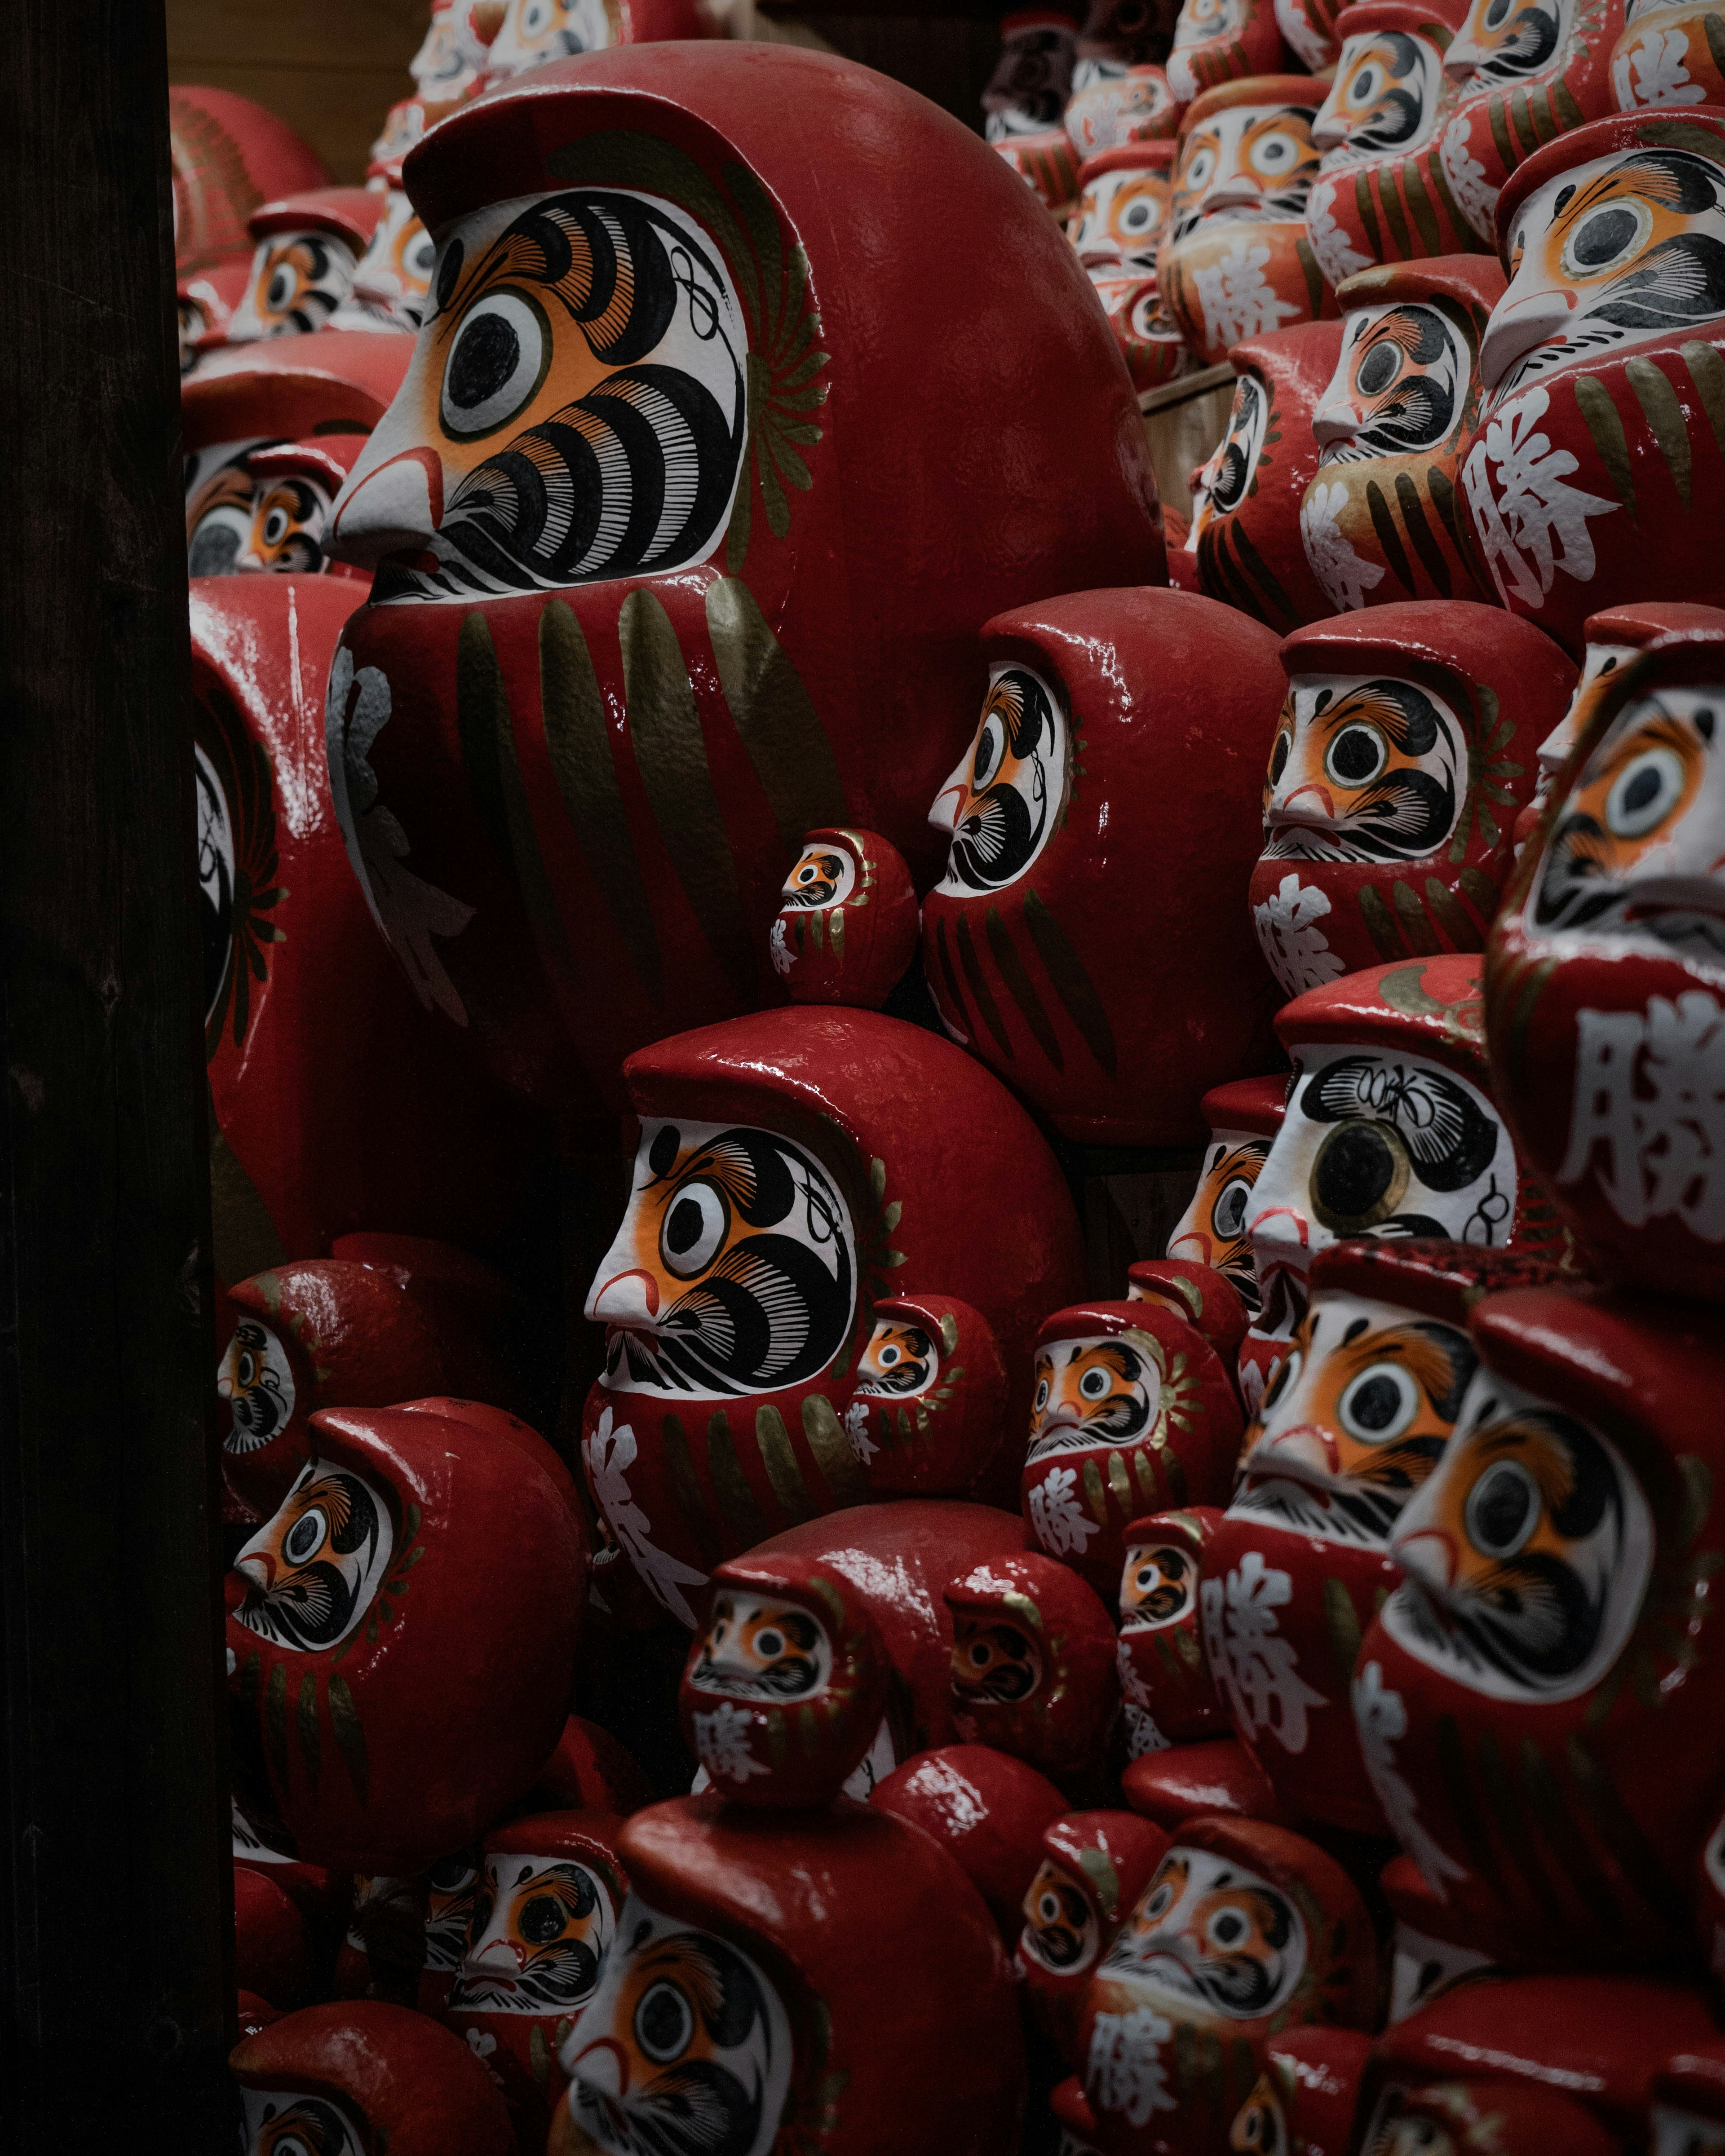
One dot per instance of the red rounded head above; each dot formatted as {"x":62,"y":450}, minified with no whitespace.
{"x":1033,"y":1663}
{"x":847,"y":922}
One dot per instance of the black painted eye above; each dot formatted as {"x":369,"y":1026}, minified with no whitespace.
{"x":541,"y":1920}
{"x":694,"y":1230}
{"x":1497,"y":14}
{"x":1379,"y":1403}
{"x":452,"y":1874}
{"x":1287,"y":1373}
{"x":1503,"y":1509}
{"x":1279,"y":755}
{"x":1357,"y":755}
{"x":1227,"y":1929}
{"x":769,"y":1645}
{"x":1227,"y":1213}
{"x":663,"y":2024}
{"x":496,"y":365}
{"x":990,"y":748}
{"x":1644,"y":792}
{"x":306,"y":1538}
{"x":1604,"y":237}
{"x":1380,"y":368}
{"x":1358,"y":1176}
{"x":1095,"y":1384}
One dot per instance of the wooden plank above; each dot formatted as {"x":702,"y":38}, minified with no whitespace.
{"x":115,"y":1969}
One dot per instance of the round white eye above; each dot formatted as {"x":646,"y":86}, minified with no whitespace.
{"x":1228,"y":1930}
{"x":889,"y":1355}
{"x":496,"y":365}
{"x":1161,"y":1901}
{"x":1644,"y":792}
{"x":990,"y":748}
{"x":221,"y":536}
{"x":305,"y":1539}
{"x":769,"y":1645}
{"x":1094,"y":1385}
{"x":282,"y":290}
{"x":1356,"y":756}
{"x":1497,"y":14}
{"x":1366,"y":86}
{"x":1378,"y":369}
{"x":277,"y":524}
{"x":1283,"y":1383}
{"x":1199,"y":171}
{"x":419,"y":257}
{"x":1503,"y":1509}
{"x":1273,"y":155}
{"x":1227,"y":1213}
{"x":1606,"y":237}
{"x":1048,"y":1908}
{"x":692,"y":1233}
{"x":1041,"y":1400}
{"x":1379,"y":1403}
{"x":663,"y":2024}
{"x":1147,"y":1579}
{"x":537,"y":17}
{"x":1140,"y":216}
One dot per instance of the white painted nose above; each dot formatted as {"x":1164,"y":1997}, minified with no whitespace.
{"x":393,"y":509}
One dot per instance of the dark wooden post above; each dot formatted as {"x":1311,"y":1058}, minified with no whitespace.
{"x":115,"y":1878}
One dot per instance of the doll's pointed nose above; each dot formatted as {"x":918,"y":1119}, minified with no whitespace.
{"x":256,"y":1570}
{"x":1308,"y":1443}
{"x":1428,"y":1554}
{"x":626,"y":1298}
{"x":1518,"y":326}
{"x":1329,"y":131}
{"x":947,"y":803}
{"x":1337,"y":422}
{"x":393,"y":509}
{"x":1235,"y":192}
{"x":1461,"y":59}
{"x":1309,"y":803}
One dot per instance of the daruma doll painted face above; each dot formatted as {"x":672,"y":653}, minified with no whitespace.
{"x":651,"y":606}
{"x":1403,"y":753}
{"x":1595,"y":476}
{"x":1094,"y":1865}
{"x":1218,"y":41}
{"x":1382,"y":521}
{"x":1237,"y":263}
{"x":1606,"y":975}
{"x":1537,"y":1702}
{"x":1074,"y":915}
{"x":1244,"y":1117}
{"x":1169,"y":1696}
{"x":1033,"y":1663}
{"x":308,"y":247}
{"x":847,"y":922}
{"x":787,"y":1177}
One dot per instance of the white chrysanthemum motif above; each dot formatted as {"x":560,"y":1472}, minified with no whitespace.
{"x":778,"y":951}
{"x":610,"y":1453}
{"x":1239,"y":301}
{"x":1345,"y":576}
{"x":409,"y":911}
{"x":1063,"y":1528}
{"x":1382,"y":1720}
{"x":1295,"y":947}
{"x":1336,"y":258}
{"x":1317,"y":53}
{"x":721,"y":1742}
{"x":1653,"y":72}
{"x":856,"y":1429}
{"x":1475,"y":198}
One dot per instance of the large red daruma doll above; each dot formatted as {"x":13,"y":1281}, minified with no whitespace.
{"x":230,"y":156}
{"x":653,"y":601}
{"x":1089,"y":938}
{"x":1605,"y":976}
{"x":793,"y":1167}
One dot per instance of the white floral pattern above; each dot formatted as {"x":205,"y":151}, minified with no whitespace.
{"x":1382,"y":1720}
{"x":609,"y":1453}
{"x":1531,"y":523}
{"x":1124,"y":2071}
{"x":1237,"y":299}
{"x":856,"y":1429}
{"x":1336,"y":258}
{"x":1475,"y":198}
{"x":783,"y":956}
{"x":1295,"y":947}
{"x":1249,"y":1659}
{"x":1345,"y":576}
{"x":1653,"y":72}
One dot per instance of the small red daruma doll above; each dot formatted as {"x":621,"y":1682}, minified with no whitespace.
{"x":783,"y":1694}
{"x":746,"y":1994}
{"x":1606,"y":975}
{"x":1133,"y":1412}
{"x":1168,"y":1694}
{"x":847,"y":920}
{"x":1244,"y":1930}
{"x":1216,"y":41}
{"x":549,"y":1894}
{"x":307,"y":247}
{"x":356,"y":2077}
{"x":927,"y":1413}
{"x":1244,"y":1117}
{"x":1094,"y":1866}
{"x":370,"y":1612}
{"x":1403,"y":753}
{"x":1032,"y":1664}
{"x":1075,"y":913}
{"x":1538,"y":1703}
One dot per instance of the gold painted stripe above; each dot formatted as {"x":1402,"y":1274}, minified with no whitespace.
{"x":350,"y":1737}
{"x":736,"y":1501}
{"x":1383,"y":524}
{"x":1414,"y":523}
{"x":1664,"y":414}
{"x":671,"y":753}
{"x":310,"y":1750}
{"x":1569,"y":112}
{"x":774,"y":716}
{"x":1342,"y":1625}
{"x":959,"y":1016}
{"x":1414,"y":926}
{"x":1380,"y":924}
{"x":1419,"y":206}
{"x":1504,"y":1803}
{"x":1145,"y":1471}
{"x":1091,"y":1477}
{"x":578,"y":745}
{"x":1452,"y":1766}
{"x":696,"y":1514}
{"x":1173,"y":1471}
{"x":1368,"y":216}
{"x":276,"y":1725}
{"x":1313,"y":275}
{"x":1121,"y":1486}
{"x":1467,"y":241}
{"x":1576,"y":1862}
{"x":1259,"y":570}
{"x":1395,"y":213}
{"x":1618,"y":1829}
{"x":1461,"y":932}
{"x":1594,"y":402}
{"x":1706,"y":370}
{"x":1070,"y":980}
{"x":1508,"y":155}
{"x":1479,"y":888}
{"x":243,"y":1239}
{"x":1021,"y":987}
{"x":838,"y":1464}
{"x":981,"y":994}
{"x":1714,"y":31}
{"x":1443,"y":495}
{"x":772,"y":1441}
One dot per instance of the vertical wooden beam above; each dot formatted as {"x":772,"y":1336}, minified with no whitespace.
{"x":115,"y":1876}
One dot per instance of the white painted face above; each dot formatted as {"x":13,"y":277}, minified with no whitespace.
{"x":1103,"y":1388}
{"x":313,"y":1570}
{"x":1363,"y":767}
{"x":679,"y":2009}
{"x":902,"y":1361}
{"x":392,"y":284}
{"x":824,"y":875}
{"x":1002,"y":802}
{"x":1158,"y":1586}
{"x":536,"y":1938}
{"x":734,"y":1270}
{"x":1379,"y":1144}
{"x":1527,"y":1555}
{"x":452,"y":56}
{"x":1400,"y":386}
{"x":1384,"y":101}
{"x":1210,"y":1937}
{"x":1637,"y":852}
{"x":283,"y":2123}
{"x":537,"y":31}
{"x":1599,"y":664}
{"x":1122,"y":221}
{"x":1422,"y":1969}
{"x":1506,"y":42}
{"x":1355,"y":1419}
{"x":1247,"y":163}
{"x":298,"y":280}
{"x":257,"y":1381}
{"x":1617,"y":252}
{"x":762,"y":1647}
